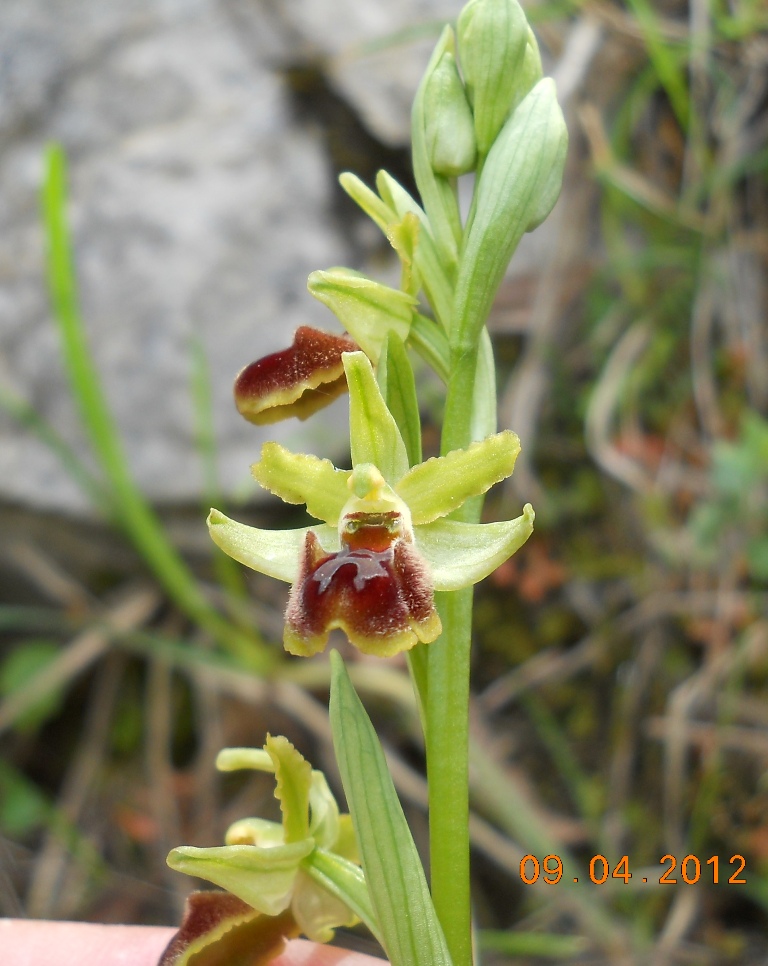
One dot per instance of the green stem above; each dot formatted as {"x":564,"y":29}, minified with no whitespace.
{"x":457,"y":425}
{"x":448,"y":772}
{"x":447,"y":735}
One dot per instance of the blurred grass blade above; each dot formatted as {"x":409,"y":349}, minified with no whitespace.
{"x":229,"y":573}
{"x":131,"y":509}
{"x":540,"y":945}
{"x":410,"y":930}
{"x":24,"y":414}
{"x":664,"y":58}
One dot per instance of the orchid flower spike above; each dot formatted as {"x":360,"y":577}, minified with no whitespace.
{"x":385,"y":543}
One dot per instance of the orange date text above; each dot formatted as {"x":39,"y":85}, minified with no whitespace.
{"x":688,"y":870}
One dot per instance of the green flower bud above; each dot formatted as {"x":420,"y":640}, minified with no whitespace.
{"x":492,"y":37}
{"x":530,"y":69}
{"x":449,"y":126}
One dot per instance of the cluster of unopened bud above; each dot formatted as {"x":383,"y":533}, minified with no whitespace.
{"x":467,"y":103}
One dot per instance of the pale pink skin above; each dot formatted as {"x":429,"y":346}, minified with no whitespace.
{"x":32,"y":942}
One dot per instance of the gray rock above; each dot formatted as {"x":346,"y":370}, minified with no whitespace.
{"x":373,"y":53}
{"x":198,"y":209}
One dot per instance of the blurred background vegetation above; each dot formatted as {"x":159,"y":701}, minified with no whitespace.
{"x":621,"y":659}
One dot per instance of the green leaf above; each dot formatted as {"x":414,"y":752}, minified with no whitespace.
{"x":293,"y":775}
{"x":301,"y":478}
{"x":540,"y":945}
{"x":271,"y":552}
{"x":262,"y":877}
{"x":373,"y":433}
{"x":399,"y":389}
{"x":23,"y":806}
{"x":19,"y":668}
{"x":400,"y":899}
{"x":440,"y":485}
{"x":368,"y":310}
{"x":460,"y":554}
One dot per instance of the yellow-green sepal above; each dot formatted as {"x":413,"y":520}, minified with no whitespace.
{"x":262,"y":877}
{"x":373,"y":433}
{"x":271,"y":552}
{"x":461,"y":554}
{"x":302,"y":478}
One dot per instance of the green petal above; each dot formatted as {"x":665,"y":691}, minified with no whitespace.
{"x":436,"y":488}
{"x":301,"y":478}
{"x":271,"y":552}
{"x":235,"y":759}
{"x":293,"y":774}
{"x":263,"y":878}
{"x":460,"y":554}
{"x":368,"y":310}
{"x":373,"y":433}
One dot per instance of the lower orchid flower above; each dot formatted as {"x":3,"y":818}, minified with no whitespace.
{"x":385,"y":544}
{"x":266,"y":864}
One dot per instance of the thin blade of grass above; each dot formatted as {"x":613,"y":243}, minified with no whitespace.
{"x":133,"y":512}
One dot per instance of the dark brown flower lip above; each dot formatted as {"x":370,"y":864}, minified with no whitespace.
{"x":297,"y":381}
{"x":380,"y":595}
